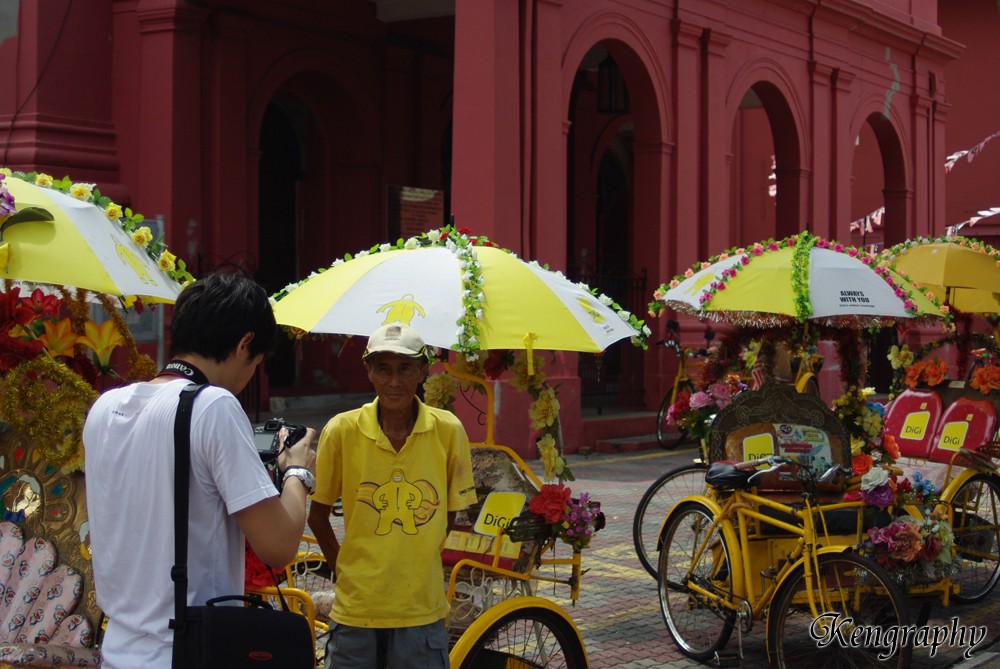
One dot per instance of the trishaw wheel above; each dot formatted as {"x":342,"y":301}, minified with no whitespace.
{"x":525,"y":637}
{"x":654,"y":505}
{"x":848,"y":592}
{"x":671,"y":436}
{"x":695,"y":553}
{"x":976,"y":525}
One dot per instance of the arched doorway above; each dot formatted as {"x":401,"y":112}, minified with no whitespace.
{"x":282,"y":168}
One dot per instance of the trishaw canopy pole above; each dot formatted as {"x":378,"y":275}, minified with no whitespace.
{"x":487,"y":388}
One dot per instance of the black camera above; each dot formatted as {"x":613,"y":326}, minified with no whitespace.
{"x":266,"y":437}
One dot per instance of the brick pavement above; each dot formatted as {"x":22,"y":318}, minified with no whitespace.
{"x":618,"y":611}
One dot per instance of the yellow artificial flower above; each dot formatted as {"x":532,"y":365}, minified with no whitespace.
{"x":553,"y":464}
{"x":520,"y":380}
{"x":101,"y":339}
{"x":43,"y":180}
{"x":59,"y":338}
{"x":166,"y":261}
{"x":439,"y":390}
{"x":545,"y":410}
{"x":81,"y":191}
{"x":142,"y":236}
{"x":6,"y":171}
{"x":473,"y":368}
{"x":857,"y":443}
{"x":113,"y":212}
{"x":900,"y":357}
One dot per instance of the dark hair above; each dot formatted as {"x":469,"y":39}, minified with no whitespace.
{"x":212,"y":315}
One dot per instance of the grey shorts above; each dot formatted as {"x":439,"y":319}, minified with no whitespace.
{"x":422,"y":647}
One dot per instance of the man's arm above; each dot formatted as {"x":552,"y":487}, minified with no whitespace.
{"x":274,"y":526}
{"x":319,"y":523}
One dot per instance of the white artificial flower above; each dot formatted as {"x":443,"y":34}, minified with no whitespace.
{"x":481,"y":297}
{"x":534,"y":263}
{"x":873,"y":478}
{"x":313,"y":274}
{"x":272,"y":300}
{"x":559,"y":274}
{"x":385,"y":247}
{"x":467,"y":276}
{"x":434,"y":235}
{"x":411,"y":244}
{"x":624,"y":315}
{"x":605,"y":300}
{"x":450,"y":245}
{"x":338,"y":261}
{"x":290,"y":287}
{"x":479,"y":314}
{"x":646,"y":331}
{"x":361,"y":254}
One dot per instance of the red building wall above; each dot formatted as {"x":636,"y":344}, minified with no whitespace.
{"x":162,"y":102}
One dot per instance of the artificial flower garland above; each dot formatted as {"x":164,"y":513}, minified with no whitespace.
{"x":128,"y":220}
{"x":910,"y":367}
{"x":893,"y":252}
{"x":802,"y":243}
{"x":463,"y":244}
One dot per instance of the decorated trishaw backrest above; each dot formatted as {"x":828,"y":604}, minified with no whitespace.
{"x":777,"y":420}
{"x":496,"y":472}
{"x":48,"y":611}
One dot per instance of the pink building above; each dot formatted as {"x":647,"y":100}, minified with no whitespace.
{"x":616,"y":141}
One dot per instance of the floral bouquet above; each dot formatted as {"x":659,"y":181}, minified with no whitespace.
{"x":574,"y":521}
{"x":915,"y":550}
{"x":926,"y":372}
{"x":694,"y":413}
{"x":986,"y":379}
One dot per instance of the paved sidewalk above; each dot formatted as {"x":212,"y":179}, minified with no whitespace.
{"x":618,"y":611}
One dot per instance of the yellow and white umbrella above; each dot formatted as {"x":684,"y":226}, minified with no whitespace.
{"x":54,"y":238}
{"x":460,"y":294}
{"x":802,"y":278}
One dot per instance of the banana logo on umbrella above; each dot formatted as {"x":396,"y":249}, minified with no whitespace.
{"x":594,"y":314}
{"x":127,"y":257}
{"x":402,"y":310}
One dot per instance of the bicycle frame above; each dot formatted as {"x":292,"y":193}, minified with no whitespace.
{"x":802,"y":537}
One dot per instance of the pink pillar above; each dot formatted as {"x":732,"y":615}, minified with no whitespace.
{"x":842,"y":158}
{"x":715,"y":146}
{"x":686,"y":237}
{"x":170,"y":137}
{"x":819,"y":201}
{"x":487,"y":140}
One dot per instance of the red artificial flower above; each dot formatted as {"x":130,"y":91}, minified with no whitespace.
{"x":496,"y":362}
{"x":550,"y":502}
{"x":464,"y":231}
{"x":41,"y":304}
{"x":12,"y":311}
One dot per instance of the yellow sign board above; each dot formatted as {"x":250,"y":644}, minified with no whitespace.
{"x":758,"y":446}
{"x":498,"y":510}
{"x":915,"y":425}
{"x":953,"y":435}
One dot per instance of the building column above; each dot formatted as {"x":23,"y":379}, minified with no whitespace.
{"x":487,"y":128}
{"x":170,"y":112}
{"x":686,"y":236}
{"x":841,"y":155}
{"x":58,"y":112}
{"x":923,"y":169}
{"x":716,"y":139}
{"x":818,"y":201}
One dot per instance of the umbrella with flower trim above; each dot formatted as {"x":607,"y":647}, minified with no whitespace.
{"x":461,"y":293}
{"x":798,"y":279}
{"x":68,"y":234}
{"x":963,"y":272}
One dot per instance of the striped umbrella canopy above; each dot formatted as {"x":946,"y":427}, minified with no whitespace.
{"x":54,"y":238}
{"x":461,"y":293}
{"x":798,"y":279}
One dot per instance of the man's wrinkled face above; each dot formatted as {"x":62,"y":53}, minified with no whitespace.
{"x":395,"y":378}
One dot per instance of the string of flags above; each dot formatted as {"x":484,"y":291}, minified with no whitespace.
{"x":981,"y":214}
{"x":969,"y":154}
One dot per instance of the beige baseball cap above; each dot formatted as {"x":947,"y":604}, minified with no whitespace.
{"x":397,"y":338}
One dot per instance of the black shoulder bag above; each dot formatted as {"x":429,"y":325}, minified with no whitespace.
{"x":211,"y":636}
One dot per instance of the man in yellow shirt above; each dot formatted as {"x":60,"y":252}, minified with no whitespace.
{"x":402,"y":470}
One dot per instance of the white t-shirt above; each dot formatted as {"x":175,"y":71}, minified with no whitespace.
{"x":129,"y":441}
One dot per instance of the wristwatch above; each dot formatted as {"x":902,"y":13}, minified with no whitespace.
{"x":302,"y":474}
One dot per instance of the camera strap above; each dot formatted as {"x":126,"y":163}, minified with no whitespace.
{"x":184,"y":370}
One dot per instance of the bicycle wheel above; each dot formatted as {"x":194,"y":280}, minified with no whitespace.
{"x":849,"y":592}
{"x":528,"y":636}
{"x":654,"y":505}
{"x":672,"y":436}
{"x":695,"y":553}
{"x":976,"y":525}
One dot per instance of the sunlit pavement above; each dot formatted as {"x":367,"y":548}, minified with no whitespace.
{"x":618,"y":611}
